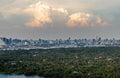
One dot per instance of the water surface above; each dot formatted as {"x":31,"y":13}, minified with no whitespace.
{"x":17,"y":76}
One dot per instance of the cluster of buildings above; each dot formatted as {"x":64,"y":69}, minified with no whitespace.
{"x":15,"y":44}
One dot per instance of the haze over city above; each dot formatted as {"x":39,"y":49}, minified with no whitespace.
{"x":54,"y":19}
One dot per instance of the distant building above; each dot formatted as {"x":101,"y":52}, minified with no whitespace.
{"x":1,"y":43}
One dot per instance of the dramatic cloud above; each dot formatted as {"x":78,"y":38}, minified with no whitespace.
{"x":77,"y":19}
{"x":40,"y":13}
{"x":84,"y":20}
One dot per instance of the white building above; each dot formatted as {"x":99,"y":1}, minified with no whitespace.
{"x":1,"y":43}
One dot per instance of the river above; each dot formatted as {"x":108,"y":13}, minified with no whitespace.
{"x":17,"y":76}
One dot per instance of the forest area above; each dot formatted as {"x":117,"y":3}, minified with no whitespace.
{"x":95,"y":62}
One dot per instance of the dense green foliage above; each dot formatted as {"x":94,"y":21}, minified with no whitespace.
{"x":98,"y":62}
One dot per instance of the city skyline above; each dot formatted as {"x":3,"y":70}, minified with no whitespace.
{"x":16,"y":44}
{"x":61,"y":19}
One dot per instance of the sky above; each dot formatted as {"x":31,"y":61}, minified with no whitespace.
{"x":59,"y":19}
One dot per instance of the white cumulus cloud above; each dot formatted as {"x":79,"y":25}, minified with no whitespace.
{"x":41,"y":15}
{"x":78,"y":19}
{"x":82,"y":19}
